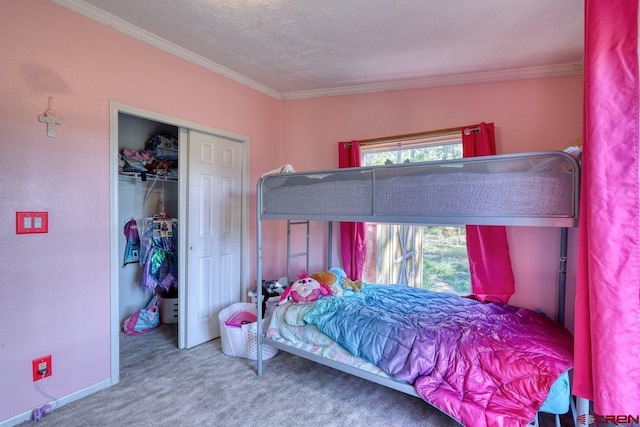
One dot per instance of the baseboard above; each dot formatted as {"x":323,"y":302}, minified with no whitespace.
{"x":26,"y":416}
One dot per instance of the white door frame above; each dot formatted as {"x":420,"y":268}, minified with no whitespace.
{"x":114,"y":226}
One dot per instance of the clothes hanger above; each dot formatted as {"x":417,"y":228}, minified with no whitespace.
{"x":162,"y":215}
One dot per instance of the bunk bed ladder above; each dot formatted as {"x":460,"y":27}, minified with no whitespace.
{"x":290,"y":255}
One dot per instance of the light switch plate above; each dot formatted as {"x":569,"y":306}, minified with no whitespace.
{"x":32,"y":222}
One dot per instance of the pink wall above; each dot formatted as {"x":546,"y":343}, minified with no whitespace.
{"x":55,"y":287}
{"x":530,"y":115}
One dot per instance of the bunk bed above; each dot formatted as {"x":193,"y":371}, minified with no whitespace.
{"x":528,"y":189}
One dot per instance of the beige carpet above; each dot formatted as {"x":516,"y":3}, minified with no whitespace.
{"x":163,"y":386}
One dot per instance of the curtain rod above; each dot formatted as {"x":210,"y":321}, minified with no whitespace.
{"x":384,"y":139}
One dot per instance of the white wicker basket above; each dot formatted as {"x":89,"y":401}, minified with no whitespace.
{"x":242,"y":341}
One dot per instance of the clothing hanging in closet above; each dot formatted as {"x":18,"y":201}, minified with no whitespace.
{"x":159,"y":254}
{"x":132,"y":248}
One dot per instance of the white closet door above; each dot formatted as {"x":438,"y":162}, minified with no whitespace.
{"x":214,"y":202}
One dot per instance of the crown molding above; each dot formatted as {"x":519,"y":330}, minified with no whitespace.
{"x":538,"y":72}
{"x":129,"y":29}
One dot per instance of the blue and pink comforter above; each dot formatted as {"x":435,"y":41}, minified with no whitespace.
{"x":483,"y":364}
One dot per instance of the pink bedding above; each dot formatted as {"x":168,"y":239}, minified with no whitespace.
{"x":483,"y":364}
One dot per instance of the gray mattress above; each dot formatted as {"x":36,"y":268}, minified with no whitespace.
{"x":533,"y":185}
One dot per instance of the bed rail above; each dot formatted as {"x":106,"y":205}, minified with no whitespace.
{"x":525,"y":189}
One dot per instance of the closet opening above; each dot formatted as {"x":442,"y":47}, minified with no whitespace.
{"x":148,"y":210}
{"x":191,"y":203}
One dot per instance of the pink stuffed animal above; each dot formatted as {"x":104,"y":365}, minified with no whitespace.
{"x":305,"y":289}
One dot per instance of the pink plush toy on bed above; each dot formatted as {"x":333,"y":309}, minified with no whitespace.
{"x":305,"y":289}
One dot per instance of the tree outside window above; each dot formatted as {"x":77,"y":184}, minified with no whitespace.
{"x":430,"y":257}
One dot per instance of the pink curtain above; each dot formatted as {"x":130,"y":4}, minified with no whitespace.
{"x":353,"y":241}
{"x":607,"y":322}
{"x":487,"y":247}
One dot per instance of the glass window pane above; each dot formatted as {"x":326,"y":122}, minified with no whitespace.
{"x":444,"y":259}
{"x":442,"y":264}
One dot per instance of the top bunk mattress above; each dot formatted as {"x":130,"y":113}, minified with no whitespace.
{"x":521,"y":189}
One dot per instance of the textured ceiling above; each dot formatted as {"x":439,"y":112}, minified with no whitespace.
{"x":308,"y":46}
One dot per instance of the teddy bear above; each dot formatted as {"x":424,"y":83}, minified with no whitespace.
{"x":337,"y":280}
{"x":356,"y":285}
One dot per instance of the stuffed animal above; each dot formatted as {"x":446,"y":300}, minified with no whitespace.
{"x":337,"y":280}
{"x":305,"y":289}
{"x":331,"y":279}
{"x":325,"y":277}
{"x":356,"y":285}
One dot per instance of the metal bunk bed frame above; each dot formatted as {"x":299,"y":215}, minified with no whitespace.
{"x":563,"y":222}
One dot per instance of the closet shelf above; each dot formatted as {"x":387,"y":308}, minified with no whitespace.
{"x":150,"y":176}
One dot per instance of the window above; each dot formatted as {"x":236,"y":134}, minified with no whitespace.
{"x":430,"y":257}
